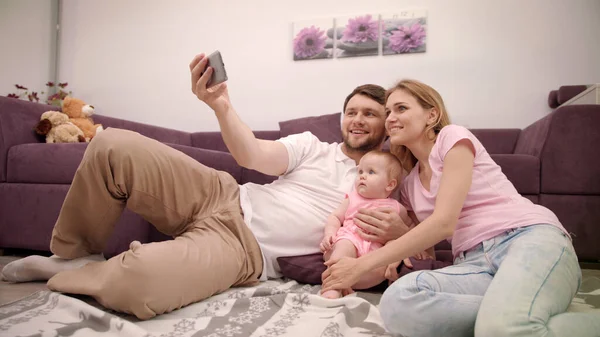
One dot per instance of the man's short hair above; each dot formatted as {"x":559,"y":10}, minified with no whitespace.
{"x":373,"y":91}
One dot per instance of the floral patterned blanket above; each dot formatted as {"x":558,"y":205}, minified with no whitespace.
{"x":273,"y":308}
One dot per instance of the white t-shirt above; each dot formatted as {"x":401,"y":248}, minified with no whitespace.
{"x":288,"y":216}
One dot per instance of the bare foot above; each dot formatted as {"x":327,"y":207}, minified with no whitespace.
{"x":135,"y":245}
{"x":332,"y":294}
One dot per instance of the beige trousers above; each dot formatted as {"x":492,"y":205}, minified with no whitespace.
{"x":212,"y":249}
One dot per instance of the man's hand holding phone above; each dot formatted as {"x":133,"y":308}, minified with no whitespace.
{"x":208,"y":81}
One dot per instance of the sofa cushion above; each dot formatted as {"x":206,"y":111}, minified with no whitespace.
{"x":44,"y":163}
{"x":161,"y":134}
{"x":214,"y":140}
{"x":497,"y":141}
{"x":57,"y":163}
{"x":522,"y":170}
{"x":566,"y":92}
{"x":326,"y":127}
{"x":222,"y":161}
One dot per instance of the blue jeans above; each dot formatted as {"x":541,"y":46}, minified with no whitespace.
{"x":516,"y":284}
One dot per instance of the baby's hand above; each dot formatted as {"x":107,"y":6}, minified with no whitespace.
{"x":326,"y":243}
{"x":391,"y":273}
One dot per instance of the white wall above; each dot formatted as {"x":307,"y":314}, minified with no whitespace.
{"x":26,"y":38}
{"x":494,"y":62}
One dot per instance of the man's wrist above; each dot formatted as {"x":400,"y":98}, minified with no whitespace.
{"x":223,"y":110}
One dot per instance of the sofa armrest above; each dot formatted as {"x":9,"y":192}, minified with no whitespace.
{"x":566,"y":141}
{"x":532,"y":139}
{"x":18,"y":119}
{"x":571,"y":155}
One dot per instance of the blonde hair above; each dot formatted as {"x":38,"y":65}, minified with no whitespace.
{"x":428,"y":98}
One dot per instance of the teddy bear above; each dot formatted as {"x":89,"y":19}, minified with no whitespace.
{"x":56,"y":127}
{"x":79,"y":114}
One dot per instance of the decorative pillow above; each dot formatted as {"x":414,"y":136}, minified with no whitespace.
{"x":308,"y":268}
{"x":303,"y":268}
{"x":325,"y":127}
{"x":553,"y":99}
{"x":566,"y":92}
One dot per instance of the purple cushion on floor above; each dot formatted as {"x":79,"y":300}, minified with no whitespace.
{"x":308,"y":268}
{"x":304,"y":268}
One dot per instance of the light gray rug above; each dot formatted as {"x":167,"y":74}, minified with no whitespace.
{"x":273,"y":308}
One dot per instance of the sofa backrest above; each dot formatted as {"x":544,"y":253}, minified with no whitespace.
{"x":214,"y":141}
{"x":497,"y":141}
{"x":325,"y":127}
{"x":161,"y":134}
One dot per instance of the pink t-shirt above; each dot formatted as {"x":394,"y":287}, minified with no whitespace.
{"x":492,"y":206}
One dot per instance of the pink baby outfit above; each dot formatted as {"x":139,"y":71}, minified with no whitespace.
{"x":349,"y":229}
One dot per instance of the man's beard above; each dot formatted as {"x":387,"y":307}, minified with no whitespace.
{"x":369,"y":145}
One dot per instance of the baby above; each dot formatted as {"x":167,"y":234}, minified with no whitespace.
{"x":378,"y":176}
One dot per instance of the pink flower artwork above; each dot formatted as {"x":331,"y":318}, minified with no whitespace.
{"x":404,"y":33}
{"x":312,"y":39}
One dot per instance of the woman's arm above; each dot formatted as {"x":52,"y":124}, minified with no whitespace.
{"x":456,"y":180}
{"x":427,"y":253}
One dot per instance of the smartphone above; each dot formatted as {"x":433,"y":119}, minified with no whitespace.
{"x":219,"y":75}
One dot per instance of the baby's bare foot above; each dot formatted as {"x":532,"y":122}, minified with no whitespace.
{"x":332,"y":294}
{"x":135,"y":245}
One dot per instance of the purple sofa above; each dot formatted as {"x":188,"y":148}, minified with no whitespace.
{"x":554,"y":162}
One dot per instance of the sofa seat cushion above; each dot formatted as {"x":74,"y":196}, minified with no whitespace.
{"x":522,"y":170}
{"x":57,"y":163}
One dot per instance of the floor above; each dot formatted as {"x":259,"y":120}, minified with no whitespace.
{"x":10,"y":292}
